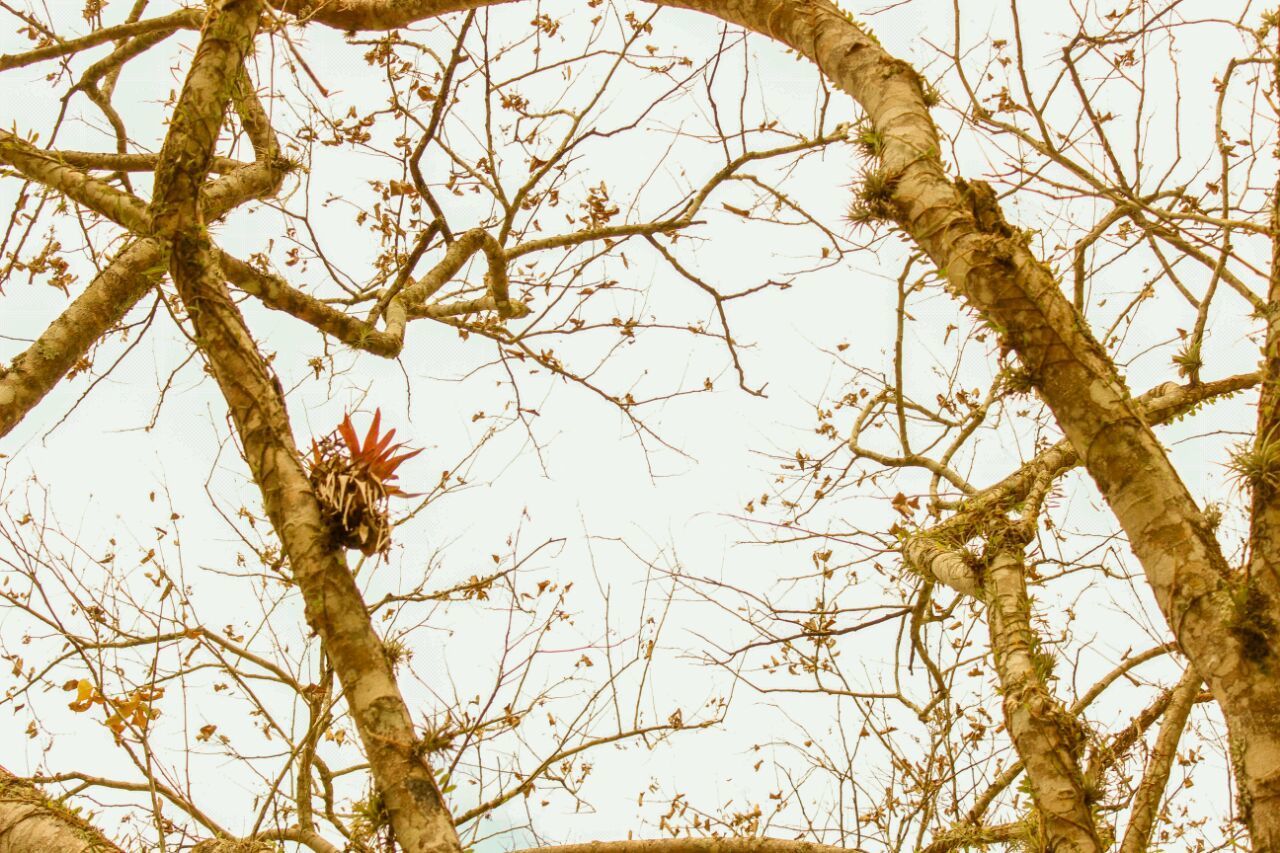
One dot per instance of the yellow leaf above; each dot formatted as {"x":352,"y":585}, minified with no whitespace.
{"x":84,"y":696}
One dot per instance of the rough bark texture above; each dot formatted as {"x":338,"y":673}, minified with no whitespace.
{"x":186,"y":18}
{"x":95,"y":194}
{"x":370,"y":14}
{"x":32,"y":823}
{"x":1262,"y":587}
{"x":225,"y":845}
{"x":277,"y":294}
{"x":334,"y":607}
{"x":1048,"y":740}
{"x":693,"y":845}
{"x":97,"y":310}
{"x":937,"y":552}
{"x":1224,"y":621}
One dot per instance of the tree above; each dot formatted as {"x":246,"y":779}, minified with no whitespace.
{"x":481,"y":135}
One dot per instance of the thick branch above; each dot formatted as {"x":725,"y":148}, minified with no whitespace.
{"x":32,"y":823}
{"x":961,"y":228}
{"x":278,"y":294}
{"x":695,"y":845}
{"x":46,"y":168}
{"x":184,"y":19}
{"x":1048,"y":740}
{"x":936,"y":552}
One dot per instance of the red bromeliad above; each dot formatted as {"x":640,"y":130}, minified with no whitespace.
{"x":377,"y":455}
{"x":352,"y":479}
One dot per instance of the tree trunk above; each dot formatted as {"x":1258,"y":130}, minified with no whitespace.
{"x":334,"y":606}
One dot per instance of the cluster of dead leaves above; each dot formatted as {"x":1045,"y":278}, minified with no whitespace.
{"x":136,"y":710}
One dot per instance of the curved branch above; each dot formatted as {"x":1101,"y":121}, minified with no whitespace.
{"x":695,"y":845}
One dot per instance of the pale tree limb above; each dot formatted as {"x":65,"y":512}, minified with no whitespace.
{"x":981,"y":803}
{"x":1261,"y":469}
{"x":184,"y":19}
{"x":278,"y":294}
{"x":966,"y":837}
{"x":116,"y":162}
{"x":308,"y":838}
{"x":965,"y":234}
{"x":936,"y":552}
{"x":232,"y":845}
{"x":1106,"y":755}
{"x":51,"y":168}
{"x":102,"y":305}
{"x":1047,"y":738}
{"x":137,"y":269}
{"x":971,"y":830}
{"x":369,"y":14}
{"x":1146,"y":802}
{"x":695,"y":845}
{"x":960,"y":227}
{"x":149,"y":786}
{"x":131,"y":274}
{"x":994,"y":271}
{"x":949,"y":566}
{"x":399,"y":306}
{"x":45,"y":167}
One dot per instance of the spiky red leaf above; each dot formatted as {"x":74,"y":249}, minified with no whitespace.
{"x":371,"y":437}
{"x":348,"y":433}
{"x":385,"y":468}
{"x":382,"y":448}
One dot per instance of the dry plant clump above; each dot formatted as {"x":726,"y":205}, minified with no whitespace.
{"x":353,"y":482}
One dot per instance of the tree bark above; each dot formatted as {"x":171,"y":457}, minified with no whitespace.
{"x":1048,"y":740}
{"x":962,"y":230}
{"x":1213,"y":613}
{"x":1223,"y":620}
{"x":694,"y":845}
{"x":32,"y":823}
